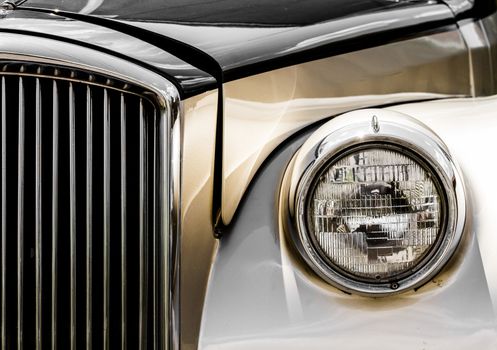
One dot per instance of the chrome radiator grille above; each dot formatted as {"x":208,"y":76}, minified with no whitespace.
{"x":79,"y":211}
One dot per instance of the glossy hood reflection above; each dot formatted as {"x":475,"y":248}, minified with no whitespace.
{"x":227,"y":12}
{"x":251,"y":37}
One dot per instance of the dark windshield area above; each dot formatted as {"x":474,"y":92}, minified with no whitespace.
{"x":229,"y":12}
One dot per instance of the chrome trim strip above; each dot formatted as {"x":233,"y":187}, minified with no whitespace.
{"x":72,"y":214}
{"x":106,"y":215}
{"x":38,"y":216}
{"x":89,"y":208}
{"x":20,"y":216}
{"x":3,"y":334}
{"x":163,"y":229}
{"x":55,"y":208}
{"x":170,"y":141}
{"x":154,"y":237}
{"x":143,"y":232}
{"x":123,"y":227}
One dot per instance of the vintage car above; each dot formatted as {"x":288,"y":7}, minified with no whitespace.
{"x":279,"y":174}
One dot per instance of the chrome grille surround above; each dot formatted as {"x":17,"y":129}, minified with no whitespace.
{"x":89,"y":110}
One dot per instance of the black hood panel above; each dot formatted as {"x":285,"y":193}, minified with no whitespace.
{"x":232,"y":39}
{"x":280,"y":13}
{"x":248,"y":37}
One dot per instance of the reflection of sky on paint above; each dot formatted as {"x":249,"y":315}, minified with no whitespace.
{"x":91,"y":6}
{"x":101,"y":36}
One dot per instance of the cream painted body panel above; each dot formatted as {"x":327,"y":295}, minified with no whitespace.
{"x":262,"y":296}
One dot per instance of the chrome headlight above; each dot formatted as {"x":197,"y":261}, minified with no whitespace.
{"x":377,"y":201}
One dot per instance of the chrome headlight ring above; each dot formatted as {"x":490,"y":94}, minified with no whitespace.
{"x":362,"y":129}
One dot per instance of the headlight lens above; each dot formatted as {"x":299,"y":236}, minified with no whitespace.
{"x":375,"y":213}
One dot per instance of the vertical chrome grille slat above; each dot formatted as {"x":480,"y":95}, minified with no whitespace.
{"x":72,"y":214}
{"x":123,"y":226}
{"x":154,"y":241}
{"x":163,"y":226}
{"x":89,"y":208}
{"x":38,"y":216}
{"x":55,"y":200}
{"x":142,"y":332}
{"x":20,"y":215}
{"x":3,"y":305}
{"x":106,"y":219}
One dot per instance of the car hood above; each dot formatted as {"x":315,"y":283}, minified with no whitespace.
{"x":253,"y":36}
{"x":279,"y":13}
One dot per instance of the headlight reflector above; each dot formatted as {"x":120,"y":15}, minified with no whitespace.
{"x":375,"y":212}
